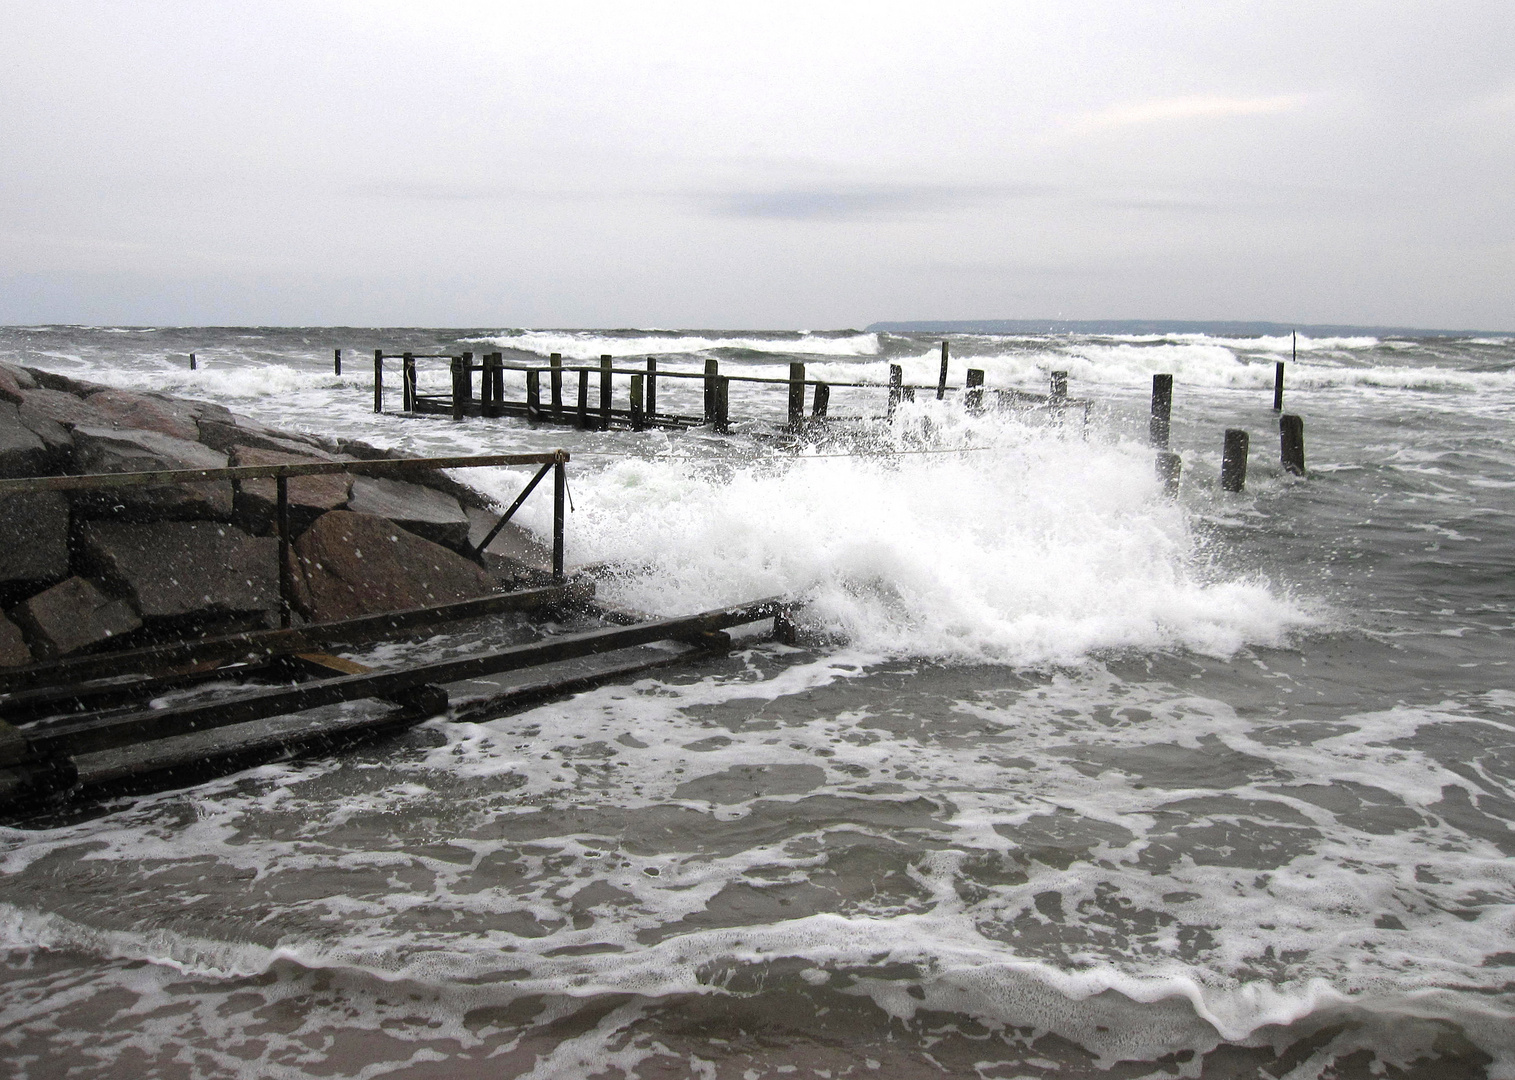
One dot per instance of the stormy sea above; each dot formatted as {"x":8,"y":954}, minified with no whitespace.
{"x":1063,"y":777}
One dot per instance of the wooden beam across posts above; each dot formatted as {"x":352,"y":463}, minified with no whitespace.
{"x":822,"y":400}
{"x":1059,"y":387}
{"x":85,"y":736}
{"x":1278,"y":386}
{"x":941,"y":382}
{"x":407,"y":382}
{"x":1169,"y":467}
{"x":336,"y":362}
{"x":1291,"y":436}
{"x":605,"y":373}
{"x":583,"y":399}
{"x":973,"y":392}
{"x":638,"y":414}
{"x":652,"y":389}
{"x":1162,"y":410}
{"x":1233,"y":460}
{"x":796,"y":394}
{"x":378,"y":380}
{"x":556,"y":385}
{"x":712,"y":373}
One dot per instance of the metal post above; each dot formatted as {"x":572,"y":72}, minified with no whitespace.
{"x":559,"y":488}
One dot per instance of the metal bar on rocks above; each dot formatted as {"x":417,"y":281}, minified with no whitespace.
{"x":559,"y":490}
{"x":96,"y":734}
{"x":521,"y":498}
{"x":286,"y":583}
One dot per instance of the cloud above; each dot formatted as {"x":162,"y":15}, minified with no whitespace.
{"x":863,"y":202}
{"x":1199,"y":107}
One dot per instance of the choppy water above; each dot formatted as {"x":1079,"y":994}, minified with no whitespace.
{"x":1068,"y":779}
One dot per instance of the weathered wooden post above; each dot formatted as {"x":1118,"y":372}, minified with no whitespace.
{"x":1162,"y":410}
{"x":336,"y":362}
{"x":638,"y":417}
{"x":1233,"y":460}
{"x":941,"y":382}
{"x":1169,"y":466}
{"x":534,"y":394}
{"x":973,"y":391}
{"x":896,"y":384}
{"x":605,"y":362}
{"x":712,"y":373}
{"x":1291,"y":437}
{"x":722,"y":404}
{"x":491,"y":405}
{"x":458,"y":363}
{"x":652,"y":390}
{"x":822,"y":400}
{"x":378,"y":380}
{"x":559,"y":489}
{"x":556,"y":362}
{"x":408,"y":382}
{"x":1059,"y":387}
{"x":796,"y":394}
{"x":584,"y":399}
{"x":281,"y":523}
{"x":1278,"y":386}
{"x":192,"y":361}
{"x":497,"y":384}
{"x":465,"y":377}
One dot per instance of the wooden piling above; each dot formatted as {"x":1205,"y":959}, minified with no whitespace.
{"x":605,"y":364}
{"x":534,"y":394}
{"x":497,"y":384}
{"x":822,"y":399}
{"x":796,"y":394}
{"x":378,"y":380}
{"x":1162,"y":410}
{"x":556,"y":387}
{"x":407,"y":382}
{"x":638,"y":416}
{"x":973,"y":391}
{"x":941,"y":382}
{"x":458,"y":399}
{"x":1291,"y":435}
{"x":465,"y":378}
{"x":1169,"y":467}
{"x":1278,"y":386}
{"x":1233,"y":460}
{"x":896,"y":385}
{"x":722,"y":404}
{"x":652,"y":389}
{"x":1059,"y":386}
{"x":583,"y":399}
{"x":336,"y":362}
{"x":192,"y":361}
{"x":712,"y":373}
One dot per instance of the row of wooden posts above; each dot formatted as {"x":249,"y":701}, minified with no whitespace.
{"x":1235,"y":444}
{"x":642,"y":411}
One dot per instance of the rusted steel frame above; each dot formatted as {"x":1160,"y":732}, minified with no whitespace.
{"x":505,"y":517}
{"x":260,"y":644}
{"x":86,"y":736}
{"x":373,"y":466}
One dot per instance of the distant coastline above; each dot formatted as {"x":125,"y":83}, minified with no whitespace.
{"x":1161,"y":326}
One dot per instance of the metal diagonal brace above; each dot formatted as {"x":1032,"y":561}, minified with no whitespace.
{"x":478,"y":551}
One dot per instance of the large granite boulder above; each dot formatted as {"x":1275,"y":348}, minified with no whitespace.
{"x":33,"y":536}
{"x":100,"y":450}
{"x":124,"y":409}
{"x":225,"y":431}
{"x":22,"y":452}
{"x":350,"y":564}
{"x":13,"y":650}
{"x":422,"y":510}
{"x":174,"y":569}
{"x":72,"y":616}
{"x":513,"y":551}
{"x":11,"y":388}
{"x":309,"y":496}
{"x":64,"y":408}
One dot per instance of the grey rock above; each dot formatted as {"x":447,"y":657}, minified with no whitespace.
{"x":33,"y":536}
{"x":309,"y":496}
{"x":350,"y":564}
{"x":124,"y":409}
{"x":225,"y":431}
{"x":425,"y":512}
{"x":64,"y":408}
{"x":72,"y":616}
{"x":513,"y":550}
{"x":172,"y":569}
{"x":100,"y":450}
{"x":19,"y":375}
{"x":13,"y":650}
{"x":22,"y":453}
{"x":11,"y":388}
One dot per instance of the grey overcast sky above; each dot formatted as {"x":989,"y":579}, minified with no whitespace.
{"x":757,"y":165}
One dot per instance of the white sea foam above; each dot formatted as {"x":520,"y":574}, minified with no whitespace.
{"x":588,"y":345}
